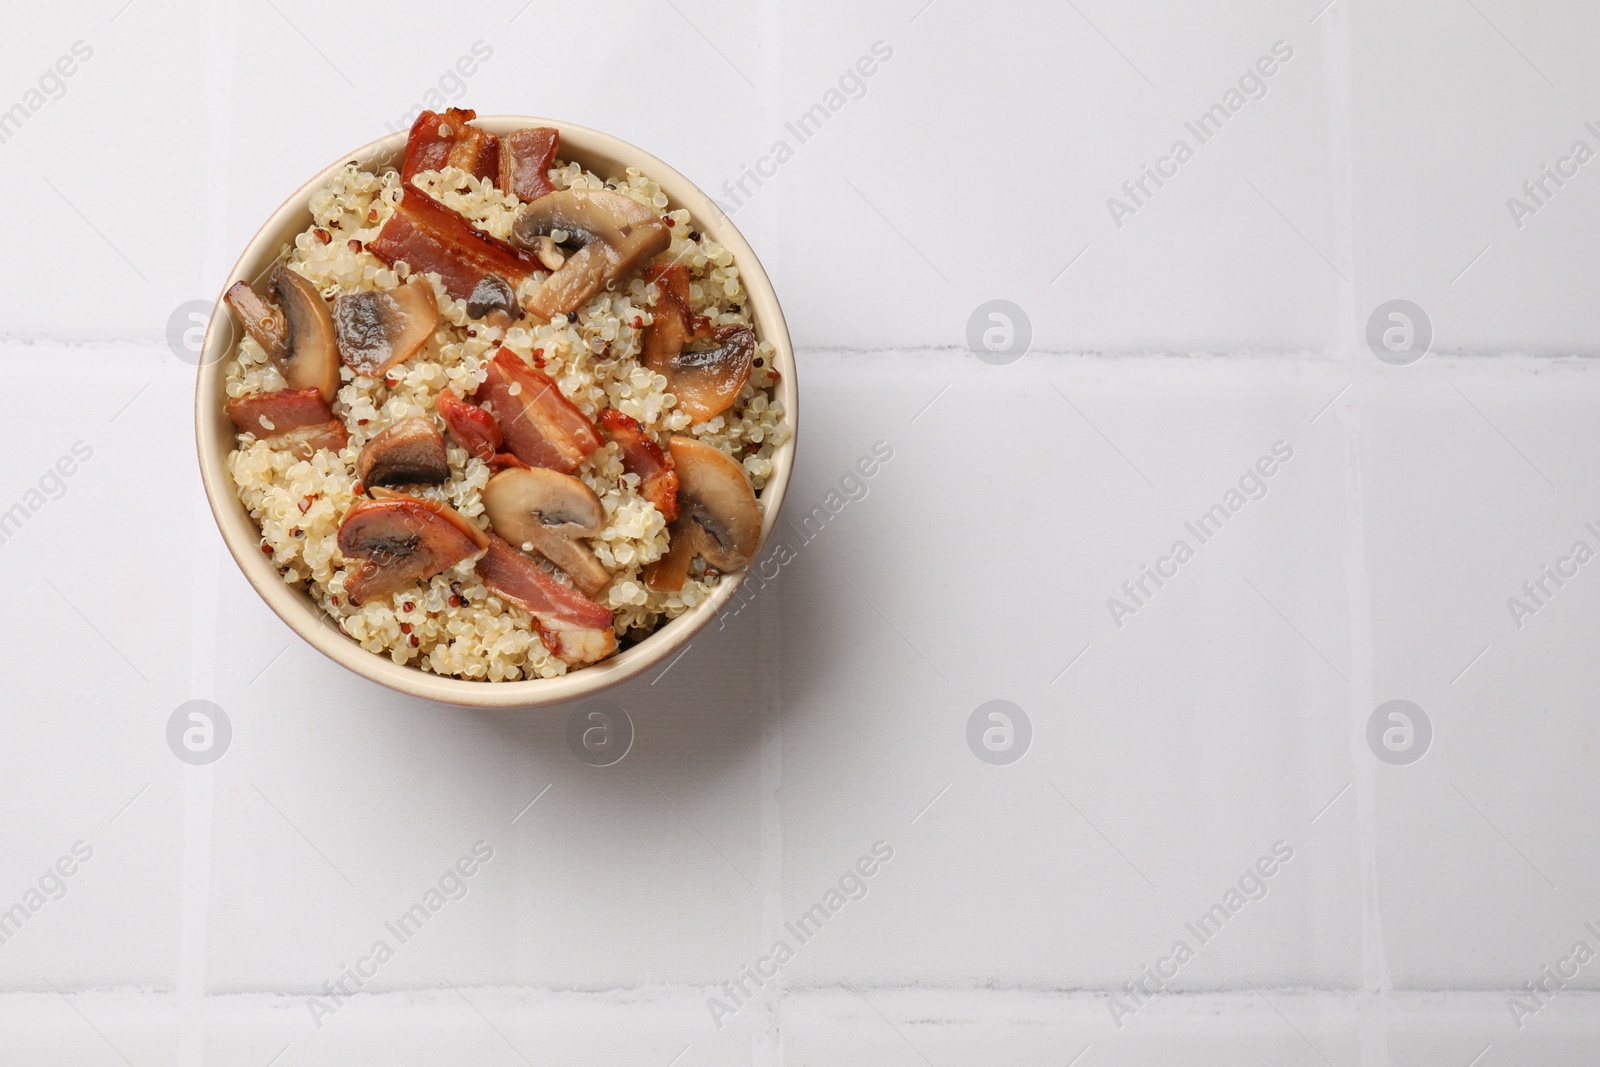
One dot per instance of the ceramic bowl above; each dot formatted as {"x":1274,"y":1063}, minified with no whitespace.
{"x":604,"y":155}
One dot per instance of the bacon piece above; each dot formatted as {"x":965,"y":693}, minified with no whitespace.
{"x":330,"y":435}
{"x":438,"y":141}
{"x":674,"y":322}
{"x":526,"y":157}
{"x":475,"y":430}
{"x":430,"y":237}
{"x":581,"y":628}
{"x":275,"y":414}
{"x":542,"y":427}
{"x":295,"y":418}
{"x":658,"y":482}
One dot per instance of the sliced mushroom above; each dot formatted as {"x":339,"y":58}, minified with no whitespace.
{"x":378,"y":329}
{"x":547,"y":512}
{"x":261,"y":320}
{"x":410,"y":452}
{"x":667,"y":574}
{"x":401,"y":540}
{"x":707,"y":382}
{"x":549,"y":252}
{"x":718,"y":519}
{"x":295,"y":329}
{"x":495,"y":301}
{"x":673,"y":322}
{"x":614,"y":236}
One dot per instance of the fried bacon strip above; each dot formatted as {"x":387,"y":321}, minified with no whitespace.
{"x":448,"y":140}
{"x":299,"y":417}
{"x":526,"y":157}
{"x":475,"y":430}
{"x":658,"y":482}
{"x":542,"y":427}
{"x":572,"y":626}
{"x":430,"y":237}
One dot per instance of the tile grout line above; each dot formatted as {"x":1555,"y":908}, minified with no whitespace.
{"x":198,"y":792}
{"x":1373,"y":998}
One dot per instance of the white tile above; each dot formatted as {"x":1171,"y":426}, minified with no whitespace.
{"x":1455,"y":107}
{"x":124,"y":147}
{"x":98,"y":502}
{"x":1458,"y":514}
{"x":1073,"y":104}
{"x":1162,"y":765}
{"x":341,"y":805}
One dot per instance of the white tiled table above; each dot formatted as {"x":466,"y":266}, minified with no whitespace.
{"x":1171,"y":747}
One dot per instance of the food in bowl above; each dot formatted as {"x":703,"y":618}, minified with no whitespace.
{"x":501,"y":416}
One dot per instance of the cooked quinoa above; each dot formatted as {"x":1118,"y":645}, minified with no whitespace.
{"x":452,"y":624}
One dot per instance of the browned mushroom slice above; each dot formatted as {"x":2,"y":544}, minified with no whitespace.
{"x":494,"y":301}
{"x":410,"y":452}
{"x":707,"y":382}
{"x":614,"y":237}
{"x":261,"y":320}
{"x":668,"y":573}
{"x":401,"y":540}
{"x":380,"y":328}
{"x":547,"y":511}
{"x":718,"y":519}
{"x":296,"y":331}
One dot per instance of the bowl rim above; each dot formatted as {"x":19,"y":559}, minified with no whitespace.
{"x":214,"y":435}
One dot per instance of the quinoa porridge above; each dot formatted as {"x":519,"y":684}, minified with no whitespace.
{"x":499,"y":415}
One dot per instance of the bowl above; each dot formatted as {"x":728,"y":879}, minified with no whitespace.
{"x":214,"y":434}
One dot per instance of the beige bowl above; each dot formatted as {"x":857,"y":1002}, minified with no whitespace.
{"x":214,"y":432}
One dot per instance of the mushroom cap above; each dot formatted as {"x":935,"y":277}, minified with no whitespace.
{"x":408,"y":452}
{"x":261,"y":320}
{"x":493,"y":295}
{"x":707,"y":382}
{"x":310,"y":356}
{"x":378,"y":329}
{"x":715,"y":495}
{"x":549,"y":510}
{"x":616,"y":236}
{"x":401,"y":540}
{"x":667,"y":574}
{"x":557,"y":502}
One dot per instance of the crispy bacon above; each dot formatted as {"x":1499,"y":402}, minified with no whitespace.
{"x":448,"y":140}
{"x":522,"y":581}
{"x":542,"y":427}
{"x":275,"y":414}
{"x":298,"y":418}
{"x":658,"y":482}
{"x":526,"y":157}
{"x":475,"y":430}
{"x":430,"y":237}
{"x":674,"y":322}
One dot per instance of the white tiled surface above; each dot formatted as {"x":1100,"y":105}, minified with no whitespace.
{"x":1167,"y":755}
